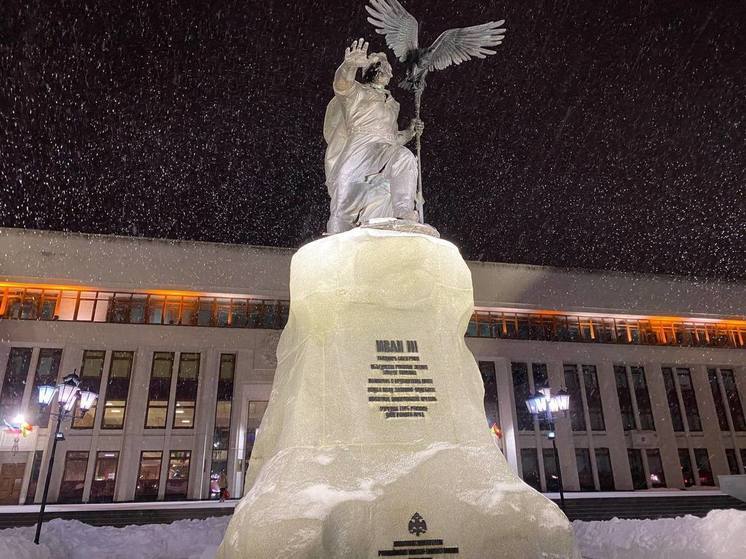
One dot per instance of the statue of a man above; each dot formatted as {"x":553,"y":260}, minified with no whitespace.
{"x":369,"y":172}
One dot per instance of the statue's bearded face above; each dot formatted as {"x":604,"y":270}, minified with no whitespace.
{"x":384,"y":74}
{"x":378,"y":70}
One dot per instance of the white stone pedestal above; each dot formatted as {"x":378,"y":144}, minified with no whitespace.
{"x":374,"y":443}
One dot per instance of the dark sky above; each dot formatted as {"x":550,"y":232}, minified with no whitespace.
{"x":604,"y":134}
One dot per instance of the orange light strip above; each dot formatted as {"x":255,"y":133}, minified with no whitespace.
{"x":653,"y":318}
{"x":732,"y":322}
{"x":166,"y":292}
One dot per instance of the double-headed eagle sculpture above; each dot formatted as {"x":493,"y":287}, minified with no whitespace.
{"x":452,"y":47}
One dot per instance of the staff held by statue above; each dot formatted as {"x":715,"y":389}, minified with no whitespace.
{"x":452,"y":47}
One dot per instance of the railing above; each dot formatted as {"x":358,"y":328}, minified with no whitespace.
{"x":25,"y":303}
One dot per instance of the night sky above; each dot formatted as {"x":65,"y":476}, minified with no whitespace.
{"x":604,"y":134}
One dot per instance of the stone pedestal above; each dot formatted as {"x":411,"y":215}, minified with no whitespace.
{"x":374,"y":443}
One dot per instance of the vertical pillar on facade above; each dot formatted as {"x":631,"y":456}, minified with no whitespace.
{"x":615,"y":439}
{"x":134,"y":423}
{"x":204,"y":423}
{"x":666,"y":438}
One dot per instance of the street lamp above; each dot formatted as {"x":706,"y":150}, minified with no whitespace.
{"x":68,"y":393}
{"x":543,"y":404}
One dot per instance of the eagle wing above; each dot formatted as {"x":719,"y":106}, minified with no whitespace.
{"x":391,"y":19}
{"x":459,"y":45}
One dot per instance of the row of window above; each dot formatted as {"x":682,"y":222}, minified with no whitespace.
{"x":191,"y":310}
{"x":595,"y":471}
{"x":581,"y":381}
{"x":141,"y":308}
{"x":105,"y":470}
{"x":568,"y":328}
{"x":586,"y":407}
{"x":602,"y":480}
{"x":114,"y":392}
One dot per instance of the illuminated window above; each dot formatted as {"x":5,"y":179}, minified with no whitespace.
{"x":222,"y":430}
{"x":46,"y":373}
{"x":14,"y":382}
{"x":117,"y":389}
{"x":155,"y":309}
{"x":177,"y":484}
{"x":159,"y":390}
{"x":73,"y":477}
{"x":90,"y":379}
{"x":187,"y":381}
{"x":104,"y":476}
{"x":149,"y":475}
{"x":189,"y":311}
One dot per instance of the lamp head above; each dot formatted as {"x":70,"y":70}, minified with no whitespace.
{"x":563,"y":400}
{"x":536,"y":403}
{"x":87,"y":400}
{"x":46,"y":393}
{"x":68,"y":391}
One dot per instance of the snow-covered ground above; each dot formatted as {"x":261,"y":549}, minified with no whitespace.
{"x":720,"y":535}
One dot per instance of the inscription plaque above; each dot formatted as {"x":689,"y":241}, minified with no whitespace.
{"x":399,"y":384}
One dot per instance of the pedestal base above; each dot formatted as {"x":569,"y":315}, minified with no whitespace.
{"x":374,"y":443}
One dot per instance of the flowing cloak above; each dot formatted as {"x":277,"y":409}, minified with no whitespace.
{"x":360,"y":129}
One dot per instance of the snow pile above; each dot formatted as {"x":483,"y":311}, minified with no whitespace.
{"x":70,"y":539}
{"x":720,"y":535}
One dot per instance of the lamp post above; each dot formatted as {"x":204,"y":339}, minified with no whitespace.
{"x":543,"y":404}
{"x":68,"y":393}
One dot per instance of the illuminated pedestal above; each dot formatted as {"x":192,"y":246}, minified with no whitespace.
{"x":374,"y":442}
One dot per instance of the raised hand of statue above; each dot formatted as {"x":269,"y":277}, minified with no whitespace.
{"x":357,"y":54}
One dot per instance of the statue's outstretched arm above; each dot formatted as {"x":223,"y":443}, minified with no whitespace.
{"x":356,"y":56}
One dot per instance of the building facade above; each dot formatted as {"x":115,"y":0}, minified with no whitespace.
{"x":179,"y":340}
